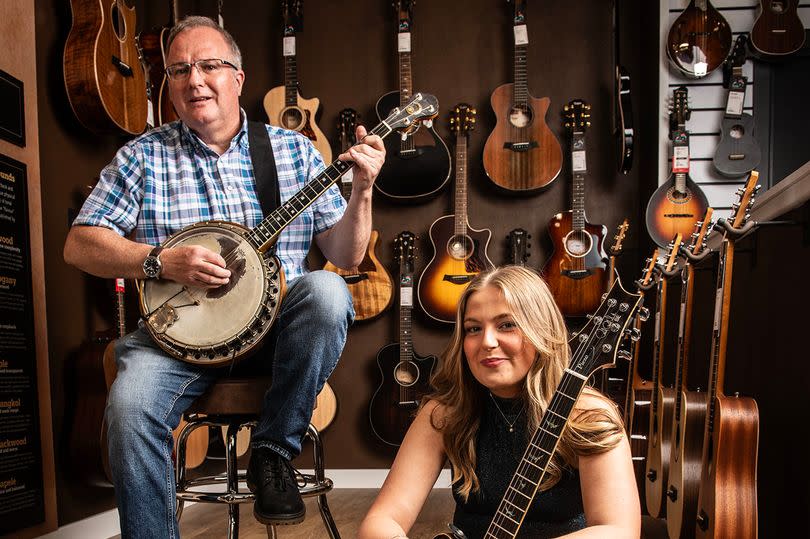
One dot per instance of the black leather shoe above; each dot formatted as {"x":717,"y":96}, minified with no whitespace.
{"x":272,"y":479}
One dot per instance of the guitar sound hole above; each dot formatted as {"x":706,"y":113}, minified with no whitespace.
{"x":460,"y":247}
{"x":578,"y":243}
{"x":737,"y":132}
{"x":778,"y":7}
{"x":292,"y":118}
{"x":520,"y":116}
{"x":406,"y":373}
{"x":676,"y":197}
{"x":117,"y":22}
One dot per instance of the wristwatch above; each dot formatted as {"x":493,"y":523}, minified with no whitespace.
{"x":151,"y":264}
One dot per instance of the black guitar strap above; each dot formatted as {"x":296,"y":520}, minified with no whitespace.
{"x":264,"y":167}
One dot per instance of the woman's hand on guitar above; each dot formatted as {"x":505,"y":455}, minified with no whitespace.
{"x":194,"y":265}
{"x":368,"y":156}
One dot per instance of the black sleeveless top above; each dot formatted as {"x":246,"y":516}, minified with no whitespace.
{"x":553,"y":512}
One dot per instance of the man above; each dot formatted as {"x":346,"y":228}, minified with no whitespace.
{"x":200,"y":169}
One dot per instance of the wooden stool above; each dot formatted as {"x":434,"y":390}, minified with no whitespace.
{"x":234,"y":403}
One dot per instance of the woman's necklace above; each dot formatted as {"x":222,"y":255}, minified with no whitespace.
{"x":510,"y":424}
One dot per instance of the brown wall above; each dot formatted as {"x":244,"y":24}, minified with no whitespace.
{"x":346,"y":57}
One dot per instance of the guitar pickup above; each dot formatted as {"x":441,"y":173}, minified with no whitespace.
{"x":520,"y":146}
{"x":576,"y":274}
{"x":736,"y":156}
{"x":355,"y":278}
{"x":122,"y":66}
{"x":458,"y":279}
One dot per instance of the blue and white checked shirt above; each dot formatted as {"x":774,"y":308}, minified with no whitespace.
{"x":168,"y":179}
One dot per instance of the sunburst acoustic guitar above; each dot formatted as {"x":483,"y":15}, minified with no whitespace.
{"x":460,"y":251}
{"x":284,"y":105}
{"x":369,"y":283}
{"x":521,"y":154}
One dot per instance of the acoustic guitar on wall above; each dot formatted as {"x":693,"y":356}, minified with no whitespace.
{"x":778,"y":30}
{"x":417,"y":164}
{"x":678,"y":202}
{"x":521,"y":154}
{"x":369,"y":283}
{"x":699,"y":39}
{"x":104,"y":78}
{"x":576,"y":272}
{"x":460,"y":251}
{"x":284,"y":105}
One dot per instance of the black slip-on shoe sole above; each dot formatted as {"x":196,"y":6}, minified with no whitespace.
{"x":280,"y":520}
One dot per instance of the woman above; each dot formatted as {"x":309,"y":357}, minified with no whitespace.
{"x":506,"y":356}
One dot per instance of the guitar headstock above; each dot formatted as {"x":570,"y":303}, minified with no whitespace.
{"x":745,"y":199}
{"x":404,"y":249}
{"x":647,"y":272}
{"x":347,"y":123}
{"x":519,"y":12}
{"x":404,"y":10}
{"x":702,"y":229}
{"x":596,"y":345}
{"x":668,"y":261}
{"x":293,"y":14}
{"x":405,"y":119}
{"x":462,"y":119}
{"x":518,"y":240}
{"x":618,"y":239}
{"x":577,"y":114}
{"x":679,"y":111}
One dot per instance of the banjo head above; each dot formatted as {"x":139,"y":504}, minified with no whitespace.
{"x":215,"y":326}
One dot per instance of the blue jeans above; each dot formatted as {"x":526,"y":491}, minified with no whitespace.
{"x":152,"y":390}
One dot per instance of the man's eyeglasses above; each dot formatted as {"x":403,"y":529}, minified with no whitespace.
{"x":207,"y":67}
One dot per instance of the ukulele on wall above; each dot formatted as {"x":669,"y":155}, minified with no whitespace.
{"x":284,"y":105}
{"x":521,"y":153}
{"x":518,"y":243}
{"x":727,"y":500}
{"x":778,"y":30}
{"x":417,"y":164}
{"x":576,"y":272}
{"x":405,"y":375}
{"x":663,"y":398}
{"x":679,"y":201}
{"x":369,"y":283}
{"x":460,"y":252}
{"x":737,"y":152}
{"x":104,"y":78}
{"x":690,"y":406}
{"x":699,"y":40}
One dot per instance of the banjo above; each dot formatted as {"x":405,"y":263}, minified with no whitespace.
{"x":213,"y":327}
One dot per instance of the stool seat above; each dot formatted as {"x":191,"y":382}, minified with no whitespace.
{"x":235,"y":403}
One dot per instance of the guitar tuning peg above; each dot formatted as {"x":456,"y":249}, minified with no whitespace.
{"x":634,"y":334}
{"x":643,"y":314}
{"x":624,"y":354}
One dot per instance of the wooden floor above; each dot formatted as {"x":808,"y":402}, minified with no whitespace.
{"x":348,"y":506}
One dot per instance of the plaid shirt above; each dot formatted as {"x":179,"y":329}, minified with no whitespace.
{"x":168,"y":179}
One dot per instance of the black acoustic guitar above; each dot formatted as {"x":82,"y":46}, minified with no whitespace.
{"x":417,"y":166}
{"x":405,"y":375}
{"x":678,"y":202}
{"x":738,"y":152}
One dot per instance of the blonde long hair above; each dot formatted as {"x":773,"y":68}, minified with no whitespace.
{"x":460,"y":395}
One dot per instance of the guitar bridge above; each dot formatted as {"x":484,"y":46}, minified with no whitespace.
{"x":163,"y":318}
{"x":576,"y":274}
{"x":520,"y":146}
{"x":355,"y":278}
{"x":458,"y":279}
{"x":736,"y":156}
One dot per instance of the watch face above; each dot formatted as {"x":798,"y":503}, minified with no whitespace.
{"x":151,"y":266}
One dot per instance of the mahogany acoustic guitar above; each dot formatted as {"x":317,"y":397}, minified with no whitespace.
{"x":404,"y":374}
{"x":417,"y":164}
{"x":699,"y":40}
{"x":678,"y":202}
{"x":727,"y":502}
{"x":460,"y":251}
{"x":690,"y":406}
{"x":778,"y":30}
{"x":521,"y":154}
{"x":369,"y":283}
{"x":104,"y":78}
{"x":284,"y":105}
{"x":663,"y":398}
{"x":577,"y":270}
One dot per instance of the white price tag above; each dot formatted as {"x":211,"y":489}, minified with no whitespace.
{"x":406,"y":296}
{"x":521,"y":35}
{"x":289,"y":46}
{"x":735,"y":102}
{"x":578,"y":161}
{"x":680,"y":159}
{"x":404,"y":42}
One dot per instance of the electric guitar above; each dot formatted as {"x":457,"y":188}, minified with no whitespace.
{"x":104,"y":78}
{"x":663,"y":398}
{"x":405,"y":375}
{"x":369,"y":283}
{"x":460,"y":251}
{"x":727,"y":502}
{"x":518,"y":243}
{"x":690,"y":406}
{"x":679,"y":201}
{"x":699,"y":40}
{"x":576,"y":272}
{"x":284,"y":105}
{"x":521,"y":154}
{"x":417,"y":165}
{"x":622,"y":103}
{"x":737,"y":152}
{"x":778,"y":30}
{"x":596,"y":347}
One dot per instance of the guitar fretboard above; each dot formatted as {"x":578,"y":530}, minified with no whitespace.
{"x":578,"y":184}
{"x":719,"y":335}
{"x":521,"y":87}
{"x":684,"y":322}
{"x":660,"y":322}
{"x":405,"y":91}
{"x":460,"y":210}
{"x":290,"y":81}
